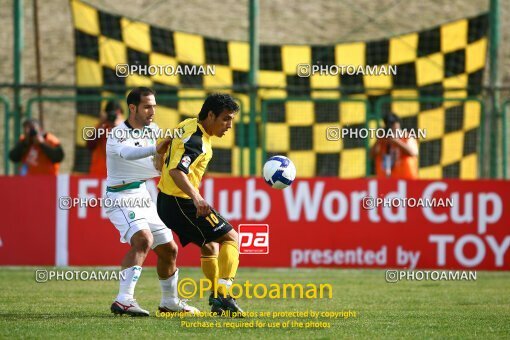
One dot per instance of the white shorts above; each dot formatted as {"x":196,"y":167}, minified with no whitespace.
{"x":129,"y":220}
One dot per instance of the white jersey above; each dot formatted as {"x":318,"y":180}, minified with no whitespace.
{"x":122,"y":171}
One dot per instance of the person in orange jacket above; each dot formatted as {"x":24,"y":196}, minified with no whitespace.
{"x":39,"y":152}
{"x":395,"y":157}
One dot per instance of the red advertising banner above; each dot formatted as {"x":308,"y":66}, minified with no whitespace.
{"x":321,"y":222}
{"x":328,"y":222}
{"x":27,"y":229}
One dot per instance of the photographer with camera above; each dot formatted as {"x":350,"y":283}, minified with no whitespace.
{"x":110,"y":118}
{"x":395,"y":157}
{"x":39,"y":152}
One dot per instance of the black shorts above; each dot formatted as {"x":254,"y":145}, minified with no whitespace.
{"x":180,"y":215}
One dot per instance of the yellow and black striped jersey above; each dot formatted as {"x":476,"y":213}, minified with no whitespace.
{"x":191,"y":153}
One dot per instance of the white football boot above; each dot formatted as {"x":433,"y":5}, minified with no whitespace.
{"x":181,"y":306}
{"x":129,"y":307}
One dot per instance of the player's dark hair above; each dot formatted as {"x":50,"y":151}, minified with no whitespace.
{"x":135,"y":96}
{"x":113,"y":105}
{"x":217,"y":103}
{"x":391,"y":119}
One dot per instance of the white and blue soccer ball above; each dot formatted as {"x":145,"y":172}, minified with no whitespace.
{"x":279,"y":172}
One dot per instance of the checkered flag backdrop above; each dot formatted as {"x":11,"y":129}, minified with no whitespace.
{"x":446,"y":61}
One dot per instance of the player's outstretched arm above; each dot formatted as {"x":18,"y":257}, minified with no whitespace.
{"x":133,"y":152}
{"x":182,"y":181}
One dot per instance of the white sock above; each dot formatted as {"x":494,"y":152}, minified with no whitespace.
{"x":226,"y":283}
{"x":169,"y":289}
{"x":128,"y":279}
{"x":225,"y":287}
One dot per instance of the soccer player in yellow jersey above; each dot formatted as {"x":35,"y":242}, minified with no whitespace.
{"x":183,"y":209}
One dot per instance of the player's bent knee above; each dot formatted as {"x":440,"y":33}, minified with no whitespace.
{"x":144,"y":245}
{"x":167,"y":252}
{"x":173,"y":250}
{"x":142,"y":241}
{"x":232,"y":236}
{"x":210,"y":249}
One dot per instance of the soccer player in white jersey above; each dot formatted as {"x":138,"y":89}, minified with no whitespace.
{"x":132,"y":157}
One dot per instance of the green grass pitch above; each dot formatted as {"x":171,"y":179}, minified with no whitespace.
{"x":424,"y":309}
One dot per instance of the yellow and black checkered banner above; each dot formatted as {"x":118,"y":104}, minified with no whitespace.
{"x":445,"y":61}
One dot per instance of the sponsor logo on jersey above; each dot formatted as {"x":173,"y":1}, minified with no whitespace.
{"x":186,"y":161}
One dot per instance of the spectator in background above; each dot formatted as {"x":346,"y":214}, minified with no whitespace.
{"x":110,"y":118}
{"x":39,"y":152}
{"x":395,"y":157}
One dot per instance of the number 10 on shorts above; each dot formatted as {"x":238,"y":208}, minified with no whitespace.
{"x":253,"y":238}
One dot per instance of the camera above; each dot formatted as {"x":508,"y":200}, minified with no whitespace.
{"x":111,"y":116}
{"x":33,"y":132}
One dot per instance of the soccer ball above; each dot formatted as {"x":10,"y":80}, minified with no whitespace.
{"x":279,"y":172}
